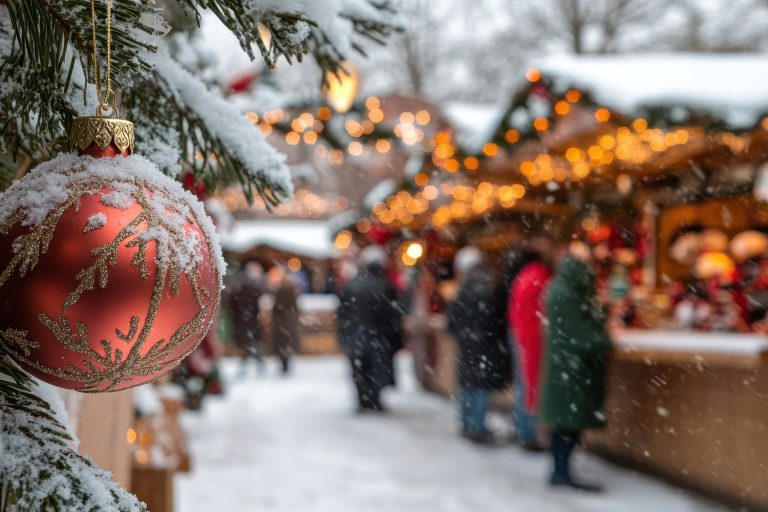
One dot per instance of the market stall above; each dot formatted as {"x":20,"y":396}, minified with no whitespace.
{"x":657,"y":163}
{"x":305,"y":249}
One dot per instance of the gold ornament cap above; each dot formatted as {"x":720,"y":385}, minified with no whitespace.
{"x":103,"y":131}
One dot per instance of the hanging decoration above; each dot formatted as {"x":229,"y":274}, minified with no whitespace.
{"x":110,"y":272}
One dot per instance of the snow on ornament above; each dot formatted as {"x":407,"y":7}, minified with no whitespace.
{"x":110,"y":272}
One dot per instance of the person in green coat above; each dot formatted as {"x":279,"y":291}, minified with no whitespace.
{"x":576,"y":364}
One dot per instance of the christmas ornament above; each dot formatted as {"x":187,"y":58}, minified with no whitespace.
{"x":110,"y":272}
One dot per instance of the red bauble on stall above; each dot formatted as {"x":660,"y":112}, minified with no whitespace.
{"x":110,"y":273}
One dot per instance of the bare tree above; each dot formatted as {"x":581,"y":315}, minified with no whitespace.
{"x":722,"y":26}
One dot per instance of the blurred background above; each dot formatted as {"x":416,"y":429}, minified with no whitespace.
{"x":630,"y":134}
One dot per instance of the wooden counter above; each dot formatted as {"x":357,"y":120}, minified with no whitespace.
{"x":691,"y":407}
{"x":694,"y":408}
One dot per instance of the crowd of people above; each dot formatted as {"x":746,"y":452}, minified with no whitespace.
{"x":544,"y":325}
{"x":540,"y":325}
{"x":249,"y":288}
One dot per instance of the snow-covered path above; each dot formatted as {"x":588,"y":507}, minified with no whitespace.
{"x":293,"y":445}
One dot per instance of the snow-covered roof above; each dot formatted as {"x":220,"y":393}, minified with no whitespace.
{"x":473,"y":122}
{"x":306,"y":237}
{"x":732,"y":86}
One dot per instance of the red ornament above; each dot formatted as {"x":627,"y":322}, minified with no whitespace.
{"x":380,"y":233}
{"x":114,"y":286}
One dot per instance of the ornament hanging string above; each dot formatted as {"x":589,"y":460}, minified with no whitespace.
{"x":107,"y":101}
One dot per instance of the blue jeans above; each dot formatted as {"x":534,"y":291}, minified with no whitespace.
{"x":473,"y":406}
{"x":525,"y":421}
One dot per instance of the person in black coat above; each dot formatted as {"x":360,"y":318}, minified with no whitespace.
{"x":245,"y":291}
{"x":369,"y":329}
{"x":476,"y":320}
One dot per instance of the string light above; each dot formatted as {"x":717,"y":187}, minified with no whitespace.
{"x":602,"y":114}
{"x":541,"y":124}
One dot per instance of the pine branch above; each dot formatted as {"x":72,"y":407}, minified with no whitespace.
{"x":293,"y":35}
{"x":45,"y":29}
{"x":215,"y":140}
{"x":46,"y":68}
{"x":39,"y":469}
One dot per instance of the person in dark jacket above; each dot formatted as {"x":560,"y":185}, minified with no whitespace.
{"x":576,"y":363}
{"x":369,"y":328}
{"x":476,"y":320}
{"x":285,"y":321}
{"x":247,"y":288}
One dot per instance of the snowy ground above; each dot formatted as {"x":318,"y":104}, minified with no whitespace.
{"x":293,"y":445}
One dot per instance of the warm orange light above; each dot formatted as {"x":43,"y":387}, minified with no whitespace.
{"x":443,"y":137}
{"x":343,"y":239}
{"x":252,"y":117}
{"x":363,"y":226}
{"x":297,"y":125}
{"x":443,"y":151}
{"x":383,"y":146}
{"x":265,"y":128}
{"x":415,"y":250}
{"x":541,"y":123}
{"x":430,"y":192}
{"x":355,"y":148}
{"x":573,"y":155}
{"x":451,"y":165}
{"x":562,"y":108}
{"x":324,"y":113}
{"x":533,"y":75}
{"x":490,"y":149}
{"x":342,"y":87}
{"x":595,"y":152}
{"x":367,"y":127}
{"x":602,"y":114}
{"x":376,"y":115}
{"x":581,"y":170}
{"x":294,"y":264}
{"x":407,"y":117}
{"x":142,"y":456}
{"x":512,"y":136}
{"x":353,"y":128}
{"x":421,"y":179}
{"x":471,"y":163}
{"x":372,"y":103}
{"x":607,"y":142}
{"x":573,"y":95}
{"x":527,"y":168}
{"x":131,"y":436}
{"x":639,"y":124}
{"x":422,"y":117}
{"x":336,"y":157}
{"x":292,"y":138}
{"x":310,"y":138}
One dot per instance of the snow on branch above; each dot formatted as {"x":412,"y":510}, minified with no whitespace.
{"x":46,"y":72}
{"x":39,"y":466}
{"x":329,"y":30}
{"x":261,"y":164}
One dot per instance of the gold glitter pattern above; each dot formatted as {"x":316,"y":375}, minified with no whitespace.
{"x":103,"y":131}
{"x":110,"y":365}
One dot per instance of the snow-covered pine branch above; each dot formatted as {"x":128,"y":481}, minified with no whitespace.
{"x":45,"y":72}
{"x":40,"y":468}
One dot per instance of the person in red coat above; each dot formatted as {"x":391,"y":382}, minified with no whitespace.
{"x":524,"y":315}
